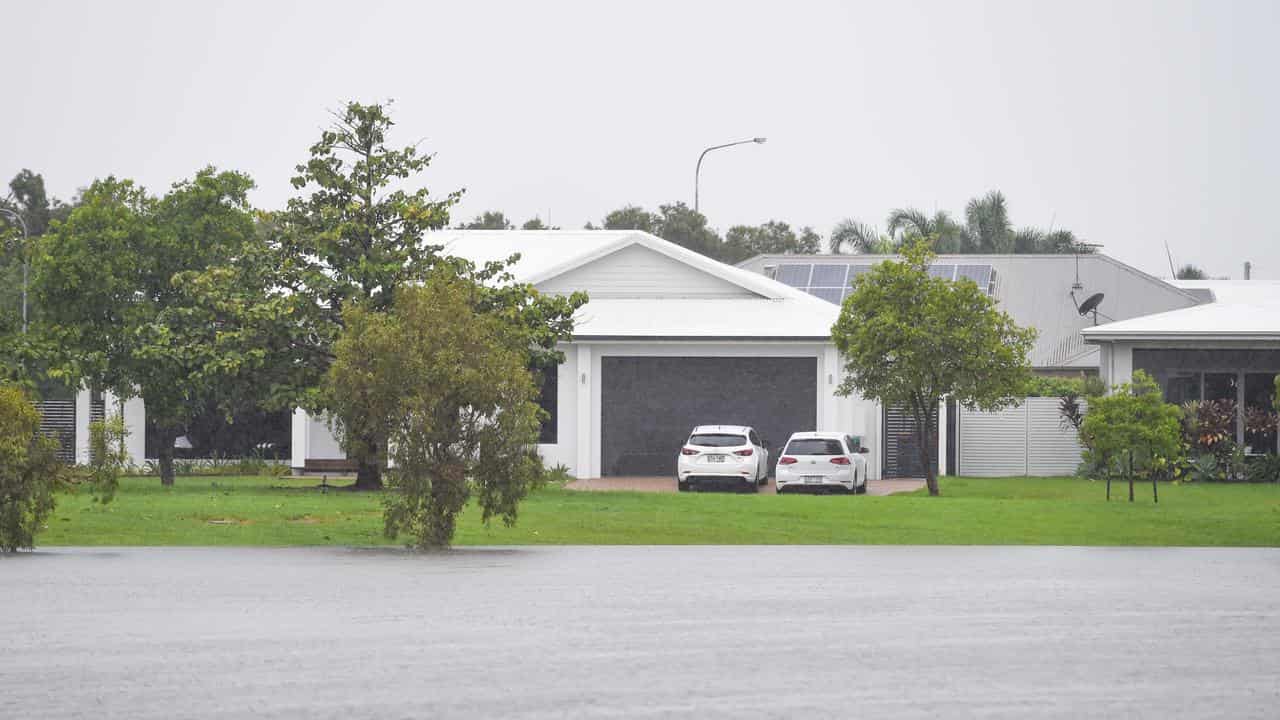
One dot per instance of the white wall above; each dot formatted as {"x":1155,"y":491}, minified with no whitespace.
{"x":638,"y":272}
{"x":579,"y":405}
{"x":135,"y":425}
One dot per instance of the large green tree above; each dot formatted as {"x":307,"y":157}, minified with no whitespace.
{"x":120,"y":286}
{"x":909,"y":339}
{"x":444,"y":377}
{"x":355,"y":236}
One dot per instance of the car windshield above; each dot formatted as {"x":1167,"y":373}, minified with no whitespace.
{"x":717,"y":440}
{"x":814,"y":446}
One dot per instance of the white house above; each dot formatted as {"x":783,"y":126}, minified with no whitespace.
{"x":669,"y":339}
{"x":1225,"y":349}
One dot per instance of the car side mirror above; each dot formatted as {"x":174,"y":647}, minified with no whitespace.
{"x":864,"y":450}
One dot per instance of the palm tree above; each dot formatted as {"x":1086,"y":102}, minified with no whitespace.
{"x":987,"y":227}
{"x":856,"y":237}
{"x":909,"y":223}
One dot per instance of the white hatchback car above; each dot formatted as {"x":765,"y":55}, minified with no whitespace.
{"x":822,"y":462}
{"x":722,"y":455}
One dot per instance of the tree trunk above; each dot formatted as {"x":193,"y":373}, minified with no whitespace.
{"x":925,"y":437}
{"x":1130,"y":476}
{"x":369,"y":467}
{"x":166,"y":436}
{"x":368,"y":475}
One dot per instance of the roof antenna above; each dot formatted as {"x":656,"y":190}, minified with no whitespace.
{"x":1077,"y":247}
{"x":1173,"y":274}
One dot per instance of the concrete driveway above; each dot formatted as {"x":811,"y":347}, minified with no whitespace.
{"x":666,"y":484}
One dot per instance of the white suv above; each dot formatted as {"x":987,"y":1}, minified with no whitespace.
{"x":722,"y":455}
{"x":822,"y":462}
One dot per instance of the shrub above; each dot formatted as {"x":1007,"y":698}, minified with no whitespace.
{"x":1132,"y":432}
{"x":29,"y":470}
{"x":1263,"y":468}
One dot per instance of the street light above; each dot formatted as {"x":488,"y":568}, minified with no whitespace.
{"x":698,"y":171}
{"x":26,"y":263}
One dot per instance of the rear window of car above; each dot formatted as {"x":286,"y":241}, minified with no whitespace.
{"x":717,"y":440}
{"x":814,"y":446}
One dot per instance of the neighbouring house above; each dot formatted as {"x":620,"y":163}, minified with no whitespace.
{"x":1045,"y":292}
{"x":1225,"y":349}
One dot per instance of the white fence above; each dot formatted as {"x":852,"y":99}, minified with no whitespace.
{"x":1027,"y":439}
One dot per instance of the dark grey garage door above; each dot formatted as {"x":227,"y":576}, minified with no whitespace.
{"x":648,"y":405}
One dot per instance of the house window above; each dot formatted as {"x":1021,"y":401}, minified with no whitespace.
{"x":1259,"y":390}
{"x":547,"y":400}
{"x":1183,"y":388}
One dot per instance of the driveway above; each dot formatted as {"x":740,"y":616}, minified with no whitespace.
{"x":648,"y":632}
{"x":667,"y":484}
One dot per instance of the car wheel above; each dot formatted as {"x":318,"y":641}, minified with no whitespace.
{"x":682,"y":486}
{"x":752,"y":486}
{"x":862,"y":489}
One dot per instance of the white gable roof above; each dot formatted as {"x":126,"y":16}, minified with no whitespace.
{"x":766,"y":309}
{"x":1241,"y":311}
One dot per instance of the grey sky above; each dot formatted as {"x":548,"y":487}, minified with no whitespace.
{"x":1129,"y":123}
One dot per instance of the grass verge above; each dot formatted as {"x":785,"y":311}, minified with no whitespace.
{"x":1005,"y":511}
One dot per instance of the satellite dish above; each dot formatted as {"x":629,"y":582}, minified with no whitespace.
{"x":1090,"y":304}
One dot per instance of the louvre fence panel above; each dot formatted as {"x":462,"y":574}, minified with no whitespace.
{"x":58,"y":420}
{"x":993,"y":444}
{"x":1053,"y":448}
{"x":1027,"y":439}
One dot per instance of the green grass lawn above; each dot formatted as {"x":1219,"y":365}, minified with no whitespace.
{"x":1013,"y":511}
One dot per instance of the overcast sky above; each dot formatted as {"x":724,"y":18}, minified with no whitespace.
{"x":1130,"y":123}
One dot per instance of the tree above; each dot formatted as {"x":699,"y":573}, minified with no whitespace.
{"x":489,"y":220}
{"x":1190,"y":272}
{"x":676,"y":223}
{"x":354,"y":238}
{"x":29,"y":471}
{"x":857,"y":237}
{"x":773,"y":237}
{"x":113,"y":282}
{"x":631,"y":217}
{"x":448,"y":385}
{"x":909,"y":339}
{"x":986,"y":229}
{"x":537,"y":224}
{"x":908,"y":225}
{"x":1132,"y":431}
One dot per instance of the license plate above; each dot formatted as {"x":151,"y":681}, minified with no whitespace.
{"x":715,"y":458}
{"x":814,"y":479}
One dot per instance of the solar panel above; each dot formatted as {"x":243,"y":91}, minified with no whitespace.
{"x":794,"y":275}
{"x":946,"y":272}
{"x":831,"y":295}
{"x":829,"y":276}
{"x":980,"y":274}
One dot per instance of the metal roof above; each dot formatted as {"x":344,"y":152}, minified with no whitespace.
{"x":1243,"y":311}
{"x":769,"y":311}
{"x":1037,"y":292}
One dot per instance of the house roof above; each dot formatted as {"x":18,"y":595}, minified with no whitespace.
{"x":1234,"y":291}
{"x":1037,"y":291}
{"x":1242,"y":311}
{"x":767,"y":309}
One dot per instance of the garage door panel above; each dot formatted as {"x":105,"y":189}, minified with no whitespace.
{"x":649,"y":404}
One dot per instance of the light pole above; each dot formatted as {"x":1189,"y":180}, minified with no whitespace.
{"x":698,"y":171}
{"x":26,"y":267}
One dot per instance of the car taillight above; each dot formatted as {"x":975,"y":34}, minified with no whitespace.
{"x":786,"y":461}
{"x":688,"y":451}
{"x":839,"y":461}
{"x":743,"y":453}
